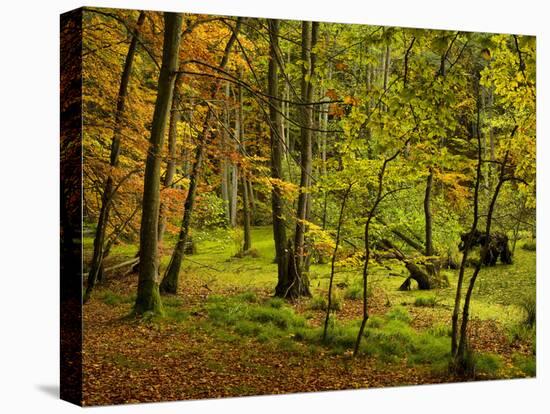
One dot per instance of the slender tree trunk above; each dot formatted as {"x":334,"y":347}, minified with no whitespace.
{"x":461,"y":359}
{"x":247,"y":244}
{"x":225,"y":166}
{"x":246,"y":216}
{"x":170,"y":280}
{"x":96,"y":265}
{"x":252,"y":200}
{"x":428,"y":213}
{"x":333,"y":260}
{"x":290,"y":139}
{"x":234,"y":193}
{"x":175,"y":116}
{"x":468,"y":242}
{"x":370,"y":216}
{"x":148,"y":298}
{"x":276,"y":157}
{"x":309,"y":38}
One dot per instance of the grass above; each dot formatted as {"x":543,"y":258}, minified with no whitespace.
{"x":115,"y":299}
{"x":503,"y":293}
{"x":487,"y":364}
{"x":321,"y":302}
{"x":425,"y":301}
{"x":529,"y":306}
{"x":526,"y":364}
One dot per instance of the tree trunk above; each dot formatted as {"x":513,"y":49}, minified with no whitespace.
{"x":106,"y":198}
{"x":148,"y":298}
{"x":309,"y":38}
{"x":224,"y":166}
{"x":468,"y":242}
{"x":428,"y":213}
{"x":175,"y":116}
{"x":170,"y":280}
{"x":246,"y":217}
{"x":333,"y":260}
{"x":282,"y":255}
{"x":252,"y":200}
{"x":460,"y":358}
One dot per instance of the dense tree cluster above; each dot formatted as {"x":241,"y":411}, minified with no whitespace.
{"x":354,"y":142}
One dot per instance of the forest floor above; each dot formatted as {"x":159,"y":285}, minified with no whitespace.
{"x":225,"y":335}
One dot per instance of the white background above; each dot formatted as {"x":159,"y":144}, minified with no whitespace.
{"x":29,"y":259}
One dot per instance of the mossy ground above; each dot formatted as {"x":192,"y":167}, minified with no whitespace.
{"x":226,"y":323}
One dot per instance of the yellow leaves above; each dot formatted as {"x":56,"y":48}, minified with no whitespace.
{"x":351,"y":100}
{"x":288,"y":190}
{"x":486,"y":54}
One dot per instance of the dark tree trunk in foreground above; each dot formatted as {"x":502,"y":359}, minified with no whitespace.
{"x":428,"y":213}
{"x":148,"y":297}
{"x":170,"y":281}
{"x":309,"y":39}
{"x":276,"y":161}
{"x":175,"y":116}
{"x":296,"y":282}
{"x":96,"y":265}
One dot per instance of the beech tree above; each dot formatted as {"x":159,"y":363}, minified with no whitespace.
{"x":96,"y":266}
{"x":148,"y":298}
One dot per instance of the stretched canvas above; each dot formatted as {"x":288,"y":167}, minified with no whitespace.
{"x":254,"y":206}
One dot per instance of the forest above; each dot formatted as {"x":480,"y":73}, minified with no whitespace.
{"x":275,"y":206}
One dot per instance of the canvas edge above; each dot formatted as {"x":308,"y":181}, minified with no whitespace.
{"x":71,"y":206}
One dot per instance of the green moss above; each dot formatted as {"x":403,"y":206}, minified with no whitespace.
{"x":527,"y":364}
{"x":487,"y":364}
{"x":114,"y":299}
{"x":321,"y":302}
{"x":425,"y":301}
{"x":399,"y":313}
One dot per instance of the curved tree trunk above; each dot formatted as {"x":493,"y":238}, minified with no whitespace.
{"x":175,"y":116}
{"x":170,"y":280}
{"x":96,"y":265}
{"x":276,"y":161}
{"x":148,"y":297}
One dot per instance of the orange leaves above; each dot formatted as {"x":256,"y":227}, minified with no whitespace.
{"x":351,"y":100}
{"x":331,"y":93}
{"x":341,"y":66}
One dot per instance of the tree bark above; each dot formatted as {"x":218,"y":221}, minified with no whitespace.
{"x":309,"y":38}
{"x":246,"y":216}
{"x":170,"y":280}
{"x":148,"y":297}
{"x":428,"y":213}
{"x":333,"y":260}
{"x":370,"y":216}
{"x":276,"y":163}
{"x":175,"y":116}
{"x":106,"y":198}
{"x":460,"y":358}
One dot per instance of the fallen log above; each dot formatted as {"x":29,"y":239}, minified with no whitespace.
{"x":130,"y":262}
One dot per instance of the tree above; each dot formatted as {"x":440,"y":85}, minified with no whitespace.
{"x":175,"y":117}
{"x":170,"y":280}
{"x":276,"y":157}
{"x":96,"y":266}
{"x":296,"y":283}
{"x":148,"y":297}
